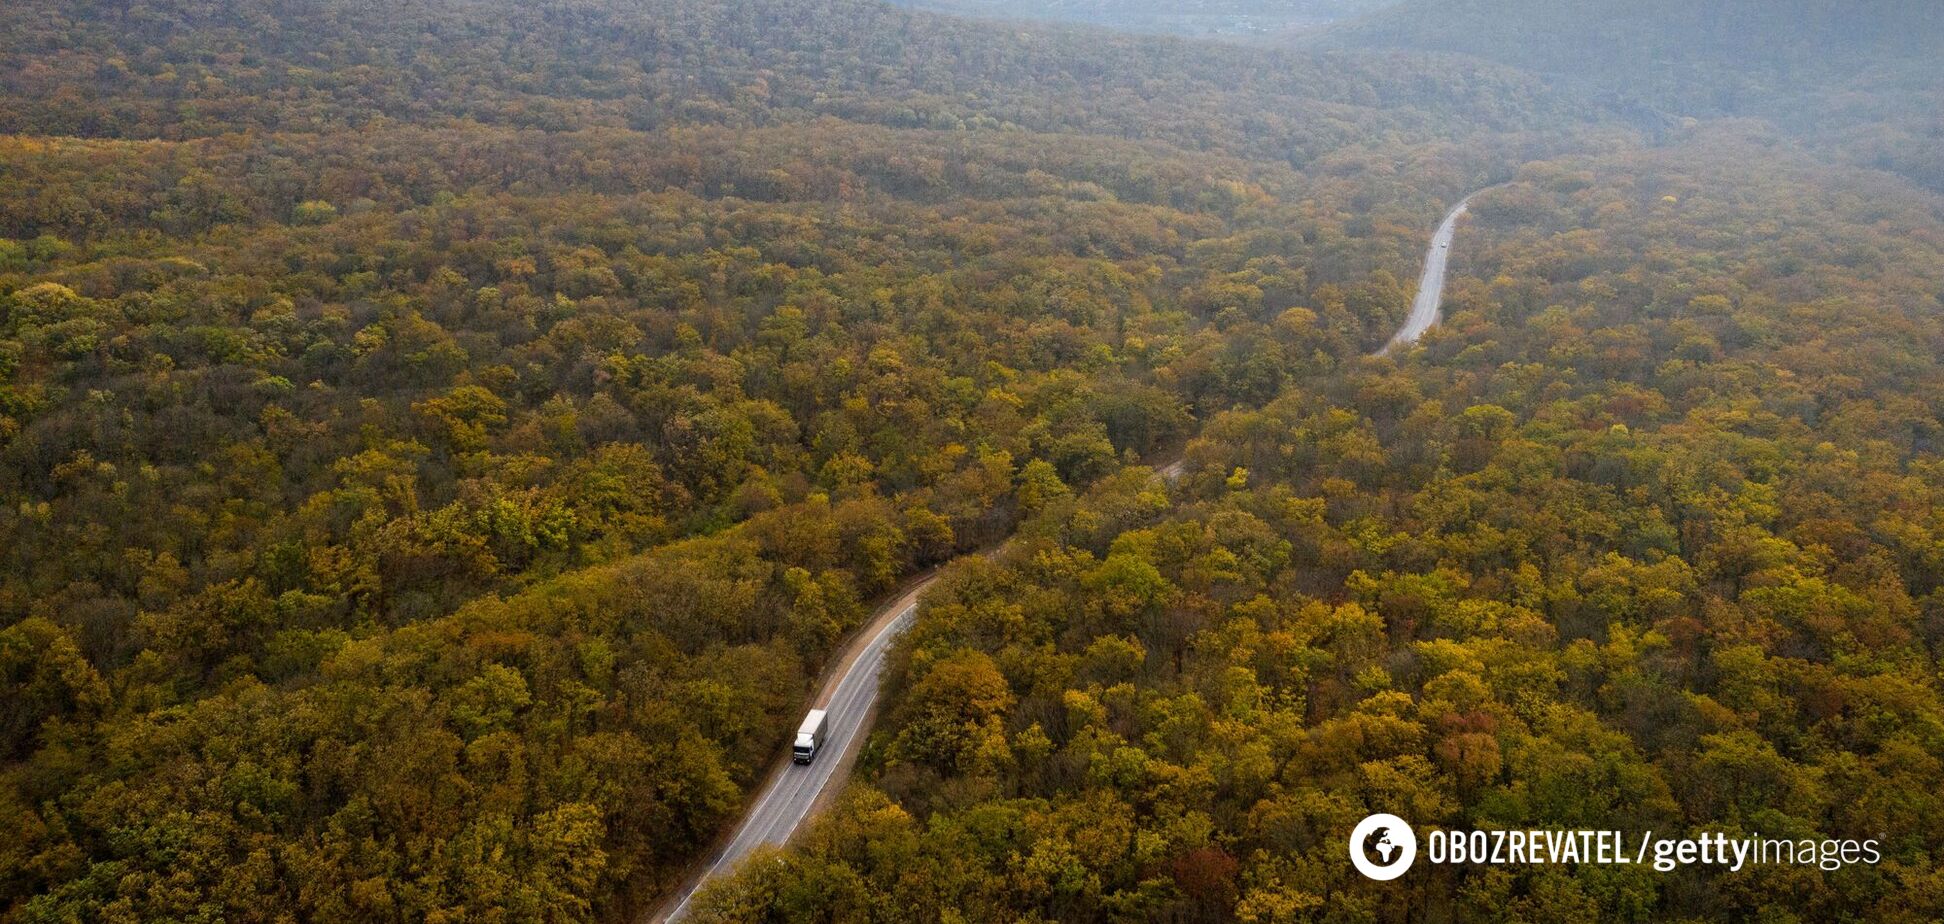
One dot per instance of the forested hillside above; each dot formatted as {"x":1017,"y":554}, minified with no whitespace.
{"x":194,"y":68}
{"x":442,"y":441}
{"x":439,"y":441}
{"x":1648,"y":538}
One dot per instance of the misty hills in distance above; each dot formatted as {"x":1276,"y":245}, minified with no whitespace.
{"x":1654,"y":47}
{"x":1259,"y":20}
{"x":1854,"y":77}
{"x":1862,"y":77}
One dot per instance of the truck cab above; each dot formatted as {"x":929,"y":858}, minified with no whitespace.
{"x":809,"y":737}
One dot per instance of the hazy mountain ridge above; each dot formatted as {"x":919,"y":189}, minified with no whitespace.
{"x":1236,"y":19}
{"x":1860,"y":79}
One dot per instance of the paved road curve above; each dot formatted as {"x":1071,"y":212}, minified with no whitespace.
{"x":1430,"y":293}
{"x":792,"y":790}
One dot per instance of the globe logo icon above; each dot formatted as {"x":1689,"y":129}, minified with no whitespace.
{"x":1382,"y":846}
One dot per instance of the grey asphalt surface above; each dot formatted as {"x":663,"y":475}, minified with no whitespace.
{"x":1430,"y":292}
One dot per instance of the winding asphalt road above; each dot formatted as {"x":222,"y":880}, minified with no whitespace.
{"x":792,"y":792}
{"x":1430,"y":293}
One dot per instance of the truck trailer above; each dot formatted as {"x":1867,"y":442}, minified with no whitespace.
{"x":809,"y":737}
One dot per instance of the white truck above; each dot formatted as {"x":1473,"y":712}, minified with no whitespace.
{"x":809,"y":737}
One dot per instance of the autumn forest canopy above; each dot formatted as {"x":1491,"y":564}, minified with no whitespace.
{"x":443,"y":443}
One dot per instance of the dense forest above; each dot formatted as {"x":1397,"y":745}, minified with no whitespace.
{"x":437,"y":456}
{"x":1647,"y":538}
{"x":441,"y":442}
